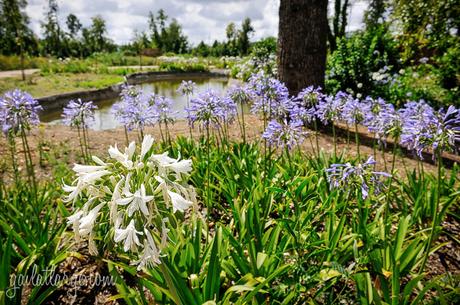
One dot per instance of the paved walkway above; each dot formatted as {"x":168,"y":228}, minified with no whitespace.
{"x":17,"y":73}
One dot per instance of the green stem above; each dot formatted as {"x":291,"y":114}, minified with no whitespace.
{"x":348,"y":136}
{"x":80,"y":140}
{"x":434,"y":221}
{"x":357,"y":141}
{"x":208,"y":174}
{"x":29,"y":162}
{"x":244,"y":126}
{"x":12,"y":145}
{"x":189,"y":126}
{"x":126,"y":136}
{"x":315,"y":124}
{"x":161,"y":133}
{"x":335,"y":141}
{"x":86,"y":140}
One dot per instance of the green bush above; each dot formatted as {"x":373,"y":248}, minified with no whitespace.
{"x":14,"y":62}
{"x":357,"y":58}
{"x":65,"y":66}
{"x":183,"y":67}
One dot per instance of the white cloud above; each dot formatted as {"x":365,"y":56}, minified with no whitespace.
{"x":201,"y":19}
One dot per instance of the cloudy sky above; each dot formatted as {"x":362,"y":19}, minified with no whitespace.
{"x":201,"y":19}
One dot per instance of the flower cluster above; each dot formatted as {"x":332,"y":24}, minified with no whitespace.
{"x":240,"y":94}
{"x":356,"y":177}
{"x":18,"y":112}
{"x":163,"y":109}
{"x":285,"y":133}
{"x":269,"y":94}
{"x":416,"y":126}
{"x":187,"y":88}
{"x":135,"y":192}
{"x":78,"y":113}
{"x":426,"y":128}
{"x":137,"y":109}
{"x":209,"y":108}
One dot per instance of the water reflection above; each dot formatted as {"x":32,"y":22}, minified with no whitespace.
{"x":105,"y":120}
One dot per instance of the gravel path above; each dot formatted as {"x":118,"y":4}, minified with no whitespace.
{"x":17,"y":73}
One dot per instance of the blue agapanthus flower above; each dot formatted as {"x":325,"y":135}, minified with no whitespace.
{"x":362,"y":177}
{"x":284,"y":133}
{"x":163,"y":109}
{"x":136,"y":109}
{"x":187,"y":88}
{"x":269,"y":93}
{"x":209,"y":108}
{"x":330,"y":110}
{"x":18,"y":111}
{"x":78,"y":113}
{"x":420,"y":124}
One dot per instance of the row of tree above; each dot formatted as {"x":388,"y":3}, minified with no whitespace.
{"x":61,"y":41}
{"x":237,"y":43}
{"x":75,"y":40}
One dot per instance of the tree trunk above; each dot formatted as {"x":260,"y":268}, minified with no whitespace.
{"x":302,"y":37}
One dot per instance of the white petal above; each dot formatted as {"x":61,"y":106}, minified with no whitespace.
{"x":116,"y":154}
{"x":129,"y":151}
{"x":179,"y":202}
{"x":79,"y":168}
{"x":183,"y":166}
{"x":146,"y":145}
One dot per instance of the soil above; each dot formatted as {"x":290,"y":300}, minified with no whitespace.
{"x":54,"y":136}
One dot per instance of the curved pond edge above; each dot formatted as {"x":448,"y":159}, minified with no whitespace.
{"x":58,"y":101}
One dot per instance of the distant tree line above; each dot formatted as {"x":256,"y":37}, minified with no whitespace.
{"x":72,"y":39}
{"x":237,"y":43}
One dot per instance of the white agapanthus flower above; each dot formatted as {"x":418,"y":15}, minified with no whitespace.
{"x":132,"y":191}
{"x":180,"y":167}
{"x":128,"y":236}
{"x":150,"y":255}
{"x":137,"y":201}
{"x":179,"y":203}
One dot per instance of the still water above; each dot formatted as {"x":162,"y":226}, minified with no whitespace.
{"x":105,"y":120}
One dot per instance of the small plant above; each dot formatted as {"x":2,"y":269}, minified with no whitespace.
{"x":128,"y":201}
{"x":18,"y":114}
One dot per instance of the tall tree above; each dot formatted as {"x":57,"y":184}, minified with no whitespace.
{"x":52,"y":30}
{"x":243,"y":36}
{"x":375,"y":13}
{"x":72,"y":40}
{"x":339,"y":23}
{"x":140,"y":42}
{"x":15,"y":35}
{"x":175,"y":40}
{"x":73,"y":25}
{"x":167,"y":37}
{"x":98,"y":30}
{"x":302,"y":38}
{"x":154,"y":34}
{"x":231,"y":32}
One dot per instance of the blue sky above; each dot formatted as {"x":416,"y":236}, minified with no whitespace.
{"x":201,"y":19}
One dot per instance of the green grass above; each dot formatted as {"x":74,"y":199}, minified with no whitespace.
{"x":40,"y":86}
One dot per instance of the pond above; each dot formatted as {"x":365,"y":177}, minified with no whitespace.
{"x":105,"y":120}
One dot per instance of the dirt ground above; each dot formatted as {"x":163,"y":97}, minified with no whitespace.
{"x":63,"y":136}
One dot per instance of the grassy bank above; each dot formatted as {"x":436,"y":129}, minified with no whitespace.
{"x":40,"y":86}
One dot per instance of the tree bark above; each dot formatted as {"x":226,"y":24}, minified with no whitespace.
{"x":302,"y":43}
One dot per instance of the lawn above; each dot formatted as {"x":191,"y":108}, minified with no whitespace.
{"x":40,"y":86}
